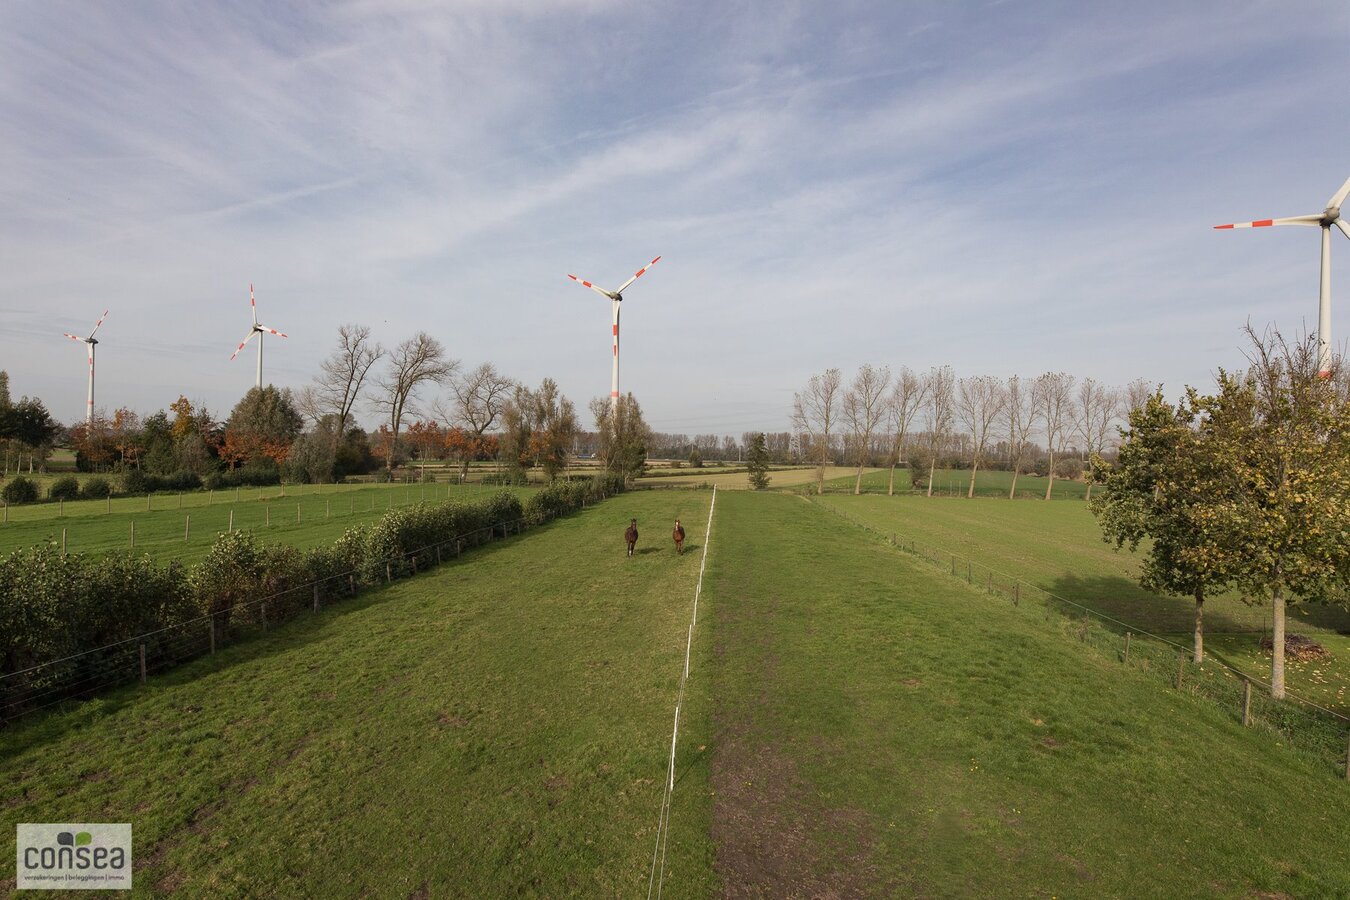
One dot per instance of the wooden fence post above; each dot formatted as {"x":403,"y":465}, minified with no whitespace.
{"x":316,"y":598}
{"x":1181,"y":668}
{"x":953,"y":565}
{"x":264,"y":615}
{"x":267,"y":516}
{"x":187,"y":526}
{"x":63,"y":542}
{"x":147,"y":502}
{"x":1246,"y":702}
{"x":1127,"y":648}
{"x":351,"y":583}
{"x":438,"y":554}
{"x":230,"y":527}
{"x":297,"y":513}
{"x":970,"y":576}
{"x":142,"y":664}
{"x":133,"y":534}
{"x":211,"y":630}
{"x":62,"y":510}
{"x":388,"y":572}
{"x":1017,"y":593}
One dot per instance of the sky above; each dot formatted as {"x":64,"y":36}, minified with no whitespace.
{"x":1006,"y":188}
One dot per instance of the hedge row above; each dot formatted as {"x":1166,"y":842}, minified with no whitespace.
{"x":72,"y":616}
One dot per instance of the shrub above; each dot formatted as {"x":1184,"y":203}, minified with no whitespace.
{"x":382,"y":476}
{"x":65,"y":488}
{"x":133,"y":481}
{"x":255,"y":474}
{"x":515,"y":477}
{"x":96,"y":488}
{"x":20,"y":490}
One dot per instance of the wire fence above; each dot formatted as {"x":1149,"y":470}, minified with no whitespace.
{"x":1309,"y":726}
{"x":90,"y":672}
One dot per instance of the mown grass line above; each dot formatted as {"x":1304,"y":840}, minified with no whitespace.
{"x":498,"y":726}
{"x":886,"y":730}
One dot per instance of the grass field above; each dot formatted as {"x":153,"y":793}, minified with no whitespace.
{"x":1058,"y":547}
{"x":740,"y":481}
{"x":325,"y":511}
{"x":872,"y":741}
{"x":498,"y":727}
{"x":857,"y":723}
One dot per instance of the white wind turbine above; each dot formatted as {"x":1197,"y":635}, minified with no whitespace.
{"x":258,"y":330}
{"x":1324,"y":220}
{"x":616,"y":297}
{"x":91,"y":343}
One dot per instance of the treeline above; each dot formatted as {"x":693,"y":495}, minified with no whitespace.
{"x":65,"y":620}
{"x":1051,"y":424}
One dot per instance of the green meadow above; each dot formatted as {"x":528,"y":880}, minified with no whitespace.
{"x":857,"y":722}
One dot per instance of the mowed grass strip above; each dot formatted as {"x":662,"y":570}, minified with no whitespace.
{"x":1058,"y":548}
{"x":955,"y":482}
{"x":884,"y":730}
{"x":304,"y":516}
{"x":499,"y":726}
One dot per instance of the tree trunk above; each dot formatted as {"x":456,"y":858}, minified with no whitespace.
{"x":1277,"y":645}
{"x":1088,"y":496}
{"x":932,"y":467}
{"x":857,"y":482}
{"x":1051,"y":486}
{"x":890,"y":488}
{"x":1199,"y":625}
{"x":974,"y":467}
{"x":1012,"y":491}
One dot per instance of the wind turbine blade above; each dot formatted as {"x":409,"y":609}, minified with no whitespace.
{"x":1266,"y":223}
{"x":272,"y":331}
{"x":72,"y":337}
{"x":241,"y":345}
{"x":253,"y":303}
{"x":640,"y":272}
{"x":99,"y":323}
{"x":1339,"y":196}
{"x":599,"y":290}
{"x":1345,"y":229}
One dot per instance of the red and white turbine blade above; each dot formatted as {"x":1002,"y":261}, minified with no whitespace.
{"x":1339,"y":197}
{"x":241,"y":345}
{"x":271,"y":331}
{"x":99,"y":323}
{"x":599,"y":290}
{"x":72,"y":337}
{"x":1345,"y":229}
{"x":253,"y":303}
{"x":640,"y":272}
{"x":1266,"y":223}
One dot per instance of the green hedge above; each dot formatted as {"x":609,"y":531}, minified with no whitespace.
{"x":54,"y":606}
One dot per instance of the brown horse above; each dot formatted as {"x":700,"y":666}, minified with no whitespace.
{"x":678,"y":535}
{"x":631,"y":535}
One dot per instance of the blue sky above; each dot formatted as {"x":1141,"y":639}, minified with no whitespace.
{"x":1002,"y":187}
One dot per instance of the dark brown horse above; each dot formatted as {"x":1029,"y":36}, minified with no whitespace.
{"x":678,"y":535}
{"x":631,"y":535}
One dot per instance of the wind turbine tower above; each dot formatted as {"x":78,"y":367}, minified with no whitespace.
{"x":616,"y":298}
{"x":91,"y":343}
{"x":1324,"y":220}
{"x":257,"y":330}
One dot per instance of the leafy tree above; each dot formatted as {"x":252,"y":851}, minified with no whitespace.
{"x":1282,"y":435}
{"x":815,"y":412}
{"x":263,"y":424}
{"x":1165,"y":486}
{"x":624,"y":435}
{"x":863,"y":407}
{"x":695,"y":458}
{"x":19,"y":490}
{"x":480,"y":395}
{"x":555,"y":421}
{"x":757,"y":462}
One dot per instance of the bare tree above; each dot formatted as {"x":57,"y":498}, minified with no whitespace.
{"x":1096,"y":410}
{"x":337,"y":388}
{"x":479,"y":396}
{"x":1020,"y":414}
{"x":980,"y":401}
{"x":864,"y":407}
{"x":1135,"y":396}
{"x":814,"y":412}
{"x":902,"y":406}
{"x":419,"y":360}
{"x":941,"y":399}
{"x":1054,"y":402}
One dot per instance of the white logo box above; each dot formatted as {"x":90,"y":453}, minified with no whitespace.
{"x":88,"y":856}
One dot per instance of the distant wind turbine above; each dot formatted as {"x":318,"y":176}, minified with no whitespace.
{"x":91,"y":343}
{"x":258,"y":330}
{"x":616,"y":297}
{"x":1324,"y":220}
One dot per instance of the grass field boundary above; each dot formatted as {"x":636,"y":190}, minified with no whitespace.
{"x":1302,"y":722}
{"x":658,"y":873}
{"x":174,"y":645}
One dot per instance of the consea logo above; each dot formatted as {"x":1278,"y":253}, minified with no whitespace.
{"x":92,"y":856}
